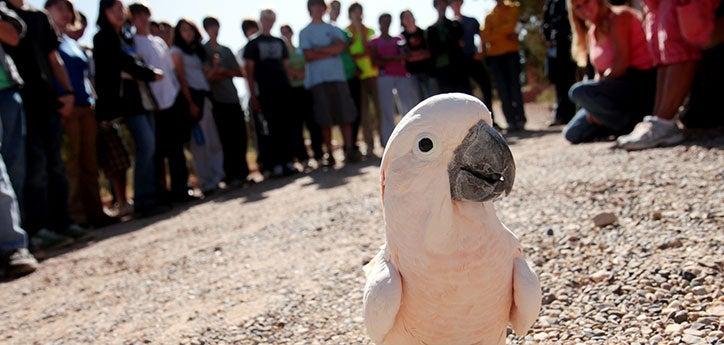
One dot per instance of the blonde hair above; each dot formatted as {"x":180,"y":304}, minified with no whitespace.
{"x":579,"y":46}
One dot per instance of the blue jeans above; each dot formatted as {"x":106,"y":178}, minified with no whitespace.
{"x":506,"y":73}
{"x":617,"y":105}
{"x":12,"y":143}
{"x":144,"y":179}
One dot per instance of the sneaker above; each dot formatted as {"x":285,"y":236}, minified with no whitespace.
{"x":649,"y":133}
{"x":290,"y":169}
{"x":46,"y":239}
{"x":19,"y":262}
{"x":329,"y":161}
{"x":74,"y":231}
{"x":124,"y":210}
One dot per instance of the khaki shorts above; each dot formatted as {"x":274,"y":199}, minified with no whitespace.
{"x":333,"y":104}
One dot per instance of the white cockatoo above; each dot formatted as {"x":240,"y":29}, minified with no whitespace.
{"x":450,"y":272}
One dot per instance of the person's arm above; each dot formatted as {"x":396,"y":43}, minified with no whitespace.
{"x":178,"y":65}
{"x":61,"y":76}
{"x":375,"y":55}
{"x":250,"y":69}
{"x":619,"y":37}
{"x":337,"y":47}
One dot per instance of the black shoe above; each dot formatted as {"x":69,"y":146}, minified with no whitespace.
{"x":17,"y":263}
{"x":290,"y":170}
{"x":352,"y":156}
{"x":328,"y":161}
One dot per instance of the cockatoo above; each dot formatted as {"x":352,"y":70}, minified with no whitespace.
{"x":450,"y":272}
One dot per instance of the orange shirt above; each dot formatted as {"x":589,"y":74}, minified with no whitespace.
{"x":499,"y":30}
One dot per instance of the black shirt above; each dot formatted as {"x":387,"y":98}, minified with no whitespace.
{"x":31,"y":54}
{"x":445,"y":41}
{"x":268,"y":54}
{"x":415,"y":42}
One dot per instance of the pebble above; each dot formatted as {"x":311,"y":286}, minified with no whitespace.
{"x":604,"y":219}
{"x":681,"y":316}
{"x":600,"y":276}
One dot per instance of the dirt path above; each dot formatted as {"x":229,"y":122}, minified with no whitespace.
{"x":280,"y":262}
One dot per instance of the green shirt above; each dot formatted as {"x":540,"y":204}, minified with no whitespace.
{"x":366,"y":67}
{"x":5,"y":80}
{"x":296,"y":61}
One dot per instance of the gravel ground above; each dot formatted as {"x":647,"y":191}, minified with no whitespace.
{"x":280,"y":262}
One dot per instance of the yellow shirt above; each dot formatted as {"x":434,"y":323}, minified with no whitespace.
{"x":499,"y":30}
{"x":366,"y":68}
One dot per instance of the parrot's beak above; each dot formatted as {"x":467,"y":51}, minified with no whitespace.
{"x":482,"y":167}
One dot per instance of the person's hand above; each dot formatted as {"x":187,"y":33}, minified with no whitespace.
{"x":195,"y":112}
{"x":255,"y":105}
{"x":158,"y":73}
{"x":67,"y":108}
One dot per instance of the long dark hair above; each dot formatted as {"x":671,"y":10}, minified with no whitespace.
{"x":102,"y":22}
{"x":193,"y":48}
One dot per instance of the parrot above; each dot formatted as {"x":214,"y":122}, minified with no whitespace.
{"x":449,"y":272}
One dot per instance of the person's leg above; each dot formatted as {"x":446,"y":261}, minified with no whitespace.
{"x":57,"y":181}
{"x":605,"y":100}
{"x":567,"y":77}
{"x":212,"y":145}
{"x":315,"y":131}
{"x":73,"y":140}
{"x":365,"y":115}
{"x":357,"y":92}
{"x":480,"y":75}
{"x":144,"y":178}
{"x":580,"y":129}
{"x":515,"y":90}
{"x":676,"y":84}
{"x":12,"y":145}
{"x":230,"y":127}
{"x":385,"y":85}
{"x":90,"y":192}
{"x":35,"y":194}
{"x":407,"y":95}
{"x":12,"y":236}
{"x":296,"y":126}
{"x":499,"y":68}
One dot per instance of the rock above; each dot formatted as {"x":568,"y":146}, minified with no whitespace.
{"x":600,"y":276}
{"x":540,"y":336}
{"x":549,"y":232}
{"x":673,"y":329}
{"x":716,"y":310}
{"x":681,"y":316}
{"x":675,"y":243}
{"x":695,"y":332}
{"x":656,"y":215}
{"x":691,"y":339}
{"x":604,"y":219}
{"x":699,"y":291}
{"x":548,"y":298}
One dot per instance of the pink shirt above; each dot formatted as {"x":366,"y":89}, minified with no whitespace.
{"x":602,"y":53}
{"x":389,"y":47}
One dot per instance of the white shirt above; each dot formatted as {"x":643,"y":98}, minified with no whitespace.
{"x":154,"y":52}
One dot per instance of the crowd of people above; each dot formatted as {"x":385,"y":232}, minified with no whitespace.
{"x":64,"y":108}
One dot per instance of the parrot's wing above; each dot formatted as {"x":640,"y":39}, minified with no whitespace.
{"x":526,"y":297}
{"x":382,"y":296}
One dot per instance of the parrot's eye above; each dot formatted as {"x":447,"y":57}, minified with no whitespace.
{"x":425,"y":144}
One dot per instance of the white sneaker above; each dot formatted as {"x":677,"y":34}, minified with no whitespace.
{"x":649,"y":133}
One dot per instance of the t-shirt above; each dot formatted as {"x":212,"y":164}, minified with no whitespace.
{"x":387,"y":47}
{"x":320,"y":35}
{"x":414,"y":42}
{"x":296,"y":61}
{"x":223,"y":90}
{"x":194,"y":70}
{"x":366,"y":67}
{"x":499,"y":31}
{"x":268,"y":54}
{"x":471,"y":27}
{"x":350,"y":67}
{"x":443,"y":38}
{"x":31,"y":53}
{"x":154,"y":52}
{"x":76,"y":64}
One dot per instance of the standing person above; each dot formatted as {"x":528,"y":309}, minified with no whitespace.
{"x":473,"y":55}
{"x":266,"y":59}
{"x":228,"y":113}
{"x":121,"y":80}
{"x":15,"y":259}
{"x":676,"y":48}
{"x":80,"y":126}
{"x":394,"y":79}
{"x":322,"y":44}
{"x":166,"y":32}
{"x":560,"y":67}
{"x":368,"y":93}
{"x":302,"y":99}
{"x":173,"y":126}
{"x":444,"y":38}
{"x":613,"y":39}
{"x":351,"y":72}
{"x":45,"y":194}
{"x":189,"y":57}
{"x":503,"y":57}
{"x":418,"y":60}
